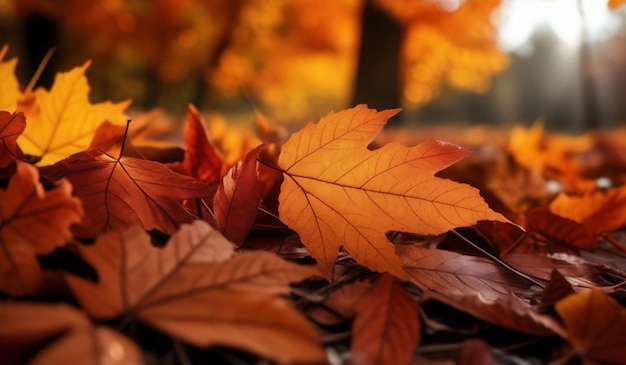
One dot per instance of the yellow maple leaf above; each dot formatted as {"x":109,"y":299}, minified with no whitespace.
{"x":8,"y":83}
{"x":63,"y":121}
{"x":337,"y":192}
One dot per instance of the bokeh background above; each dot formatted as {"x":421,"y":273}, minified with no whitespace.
{"x":495,"y":62}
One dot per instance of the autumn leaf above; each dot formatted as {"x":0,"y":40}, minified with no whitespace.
{"x":8,"y":82}
{"x":386,"y":329}
{"x":560,"y":229}
{"x":11,"y":126}
{"x":193,"y":290}
{"x":202,"y":159}
{"x":507,"y":311}
{"x":338,"y":193}
{"x":32,"y":221}
{"x":449,"y":272}
{"x":598,"y":211}
{"x":595,"y":326}
{"x":62,"y":121}
{"x":59,"y":334}
{"x":120,"y":192}
{"x":237,"y":198}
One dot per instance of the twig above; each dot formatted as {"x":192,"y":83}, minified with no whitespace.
{"x":499,"y":260}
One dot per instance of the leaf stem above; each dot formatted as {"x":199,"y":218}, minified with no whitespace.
{"x":42,"y":65}
{"x":275,"y":168}
{"x":499,"y":260}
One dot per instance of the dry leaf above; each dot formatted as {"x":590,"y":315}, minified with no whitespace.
{"x":560,"y":229}
{"x":452,"y":273}
{"x":595,"y":325}
{"x":599,"y":211}
{"x":386,"y":329}
{"x":338,"y":193}
{"x":202,"y":159}
{"x":475,"y":351}
{"x":62,"y":121}
{"x":237,"y":198}
{"x":32,"y":221}
{"x":192,"y":290}
{"x":120,"y":192}
{"x":59,"y":334}
{"x":507,"y":311}
{"x":11,"y":126}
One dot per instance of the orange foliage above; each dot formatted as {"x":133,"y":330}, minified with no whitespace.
{"x":337,"y":193}
{"x":457,"y":46}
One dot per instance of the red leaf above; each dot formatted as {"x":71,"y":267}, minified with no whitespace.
{"x":237,"y":198}
{"x":387,"y":328}
{"x":120,"y":192}
{"x":202,"y":160}
{"x":560,"y":229}
{"x":11,"y":127}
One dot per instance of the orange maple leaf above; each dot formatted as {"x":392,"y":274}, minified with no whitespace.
{"x":338,"y":193}
{"x":120,"y":192}
{"x":62,"y":121}
{"x":32,"y":221}
{"x":595,"y":326}
{"x":198,"y":290}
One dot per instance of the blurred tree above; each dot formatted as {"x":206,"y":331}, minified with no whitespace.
{"x":294,"y":59}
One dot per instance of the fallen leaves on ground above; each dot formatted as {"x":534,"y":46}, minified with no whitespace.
{"x":595,"y":327}
{"x":32,"y":221}
{"x":337,"y":193}
{"x":207,"y":251}
{"x":198,"y":290}
{"x":61,"y":335}
{"x":386,"y":329}
{"x":118,"y":192}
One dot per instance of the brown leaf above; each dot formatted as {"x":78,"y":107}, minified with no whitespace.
{"x":237,"y":198}
{"x":507,"y":311}
{"x":560,"y":229}
{"x":595,"y":325}
{"x":557,"y":288}
{"x":475,"y":351}
{"x":59,"y":334}
{"x":11,"y":126}
{"x":93,"y":346}
{"x":120,"y":192}
{"x":386,"y":329}
{"x":32,"y":221}
{"x":580,"y":274}
{"x":192,"y":290}
{"x":452,"y":273}
{"x":337,"y":192}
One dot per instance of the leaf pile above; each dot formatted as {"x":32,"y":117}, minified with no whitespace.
{"x":328,"y":246}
